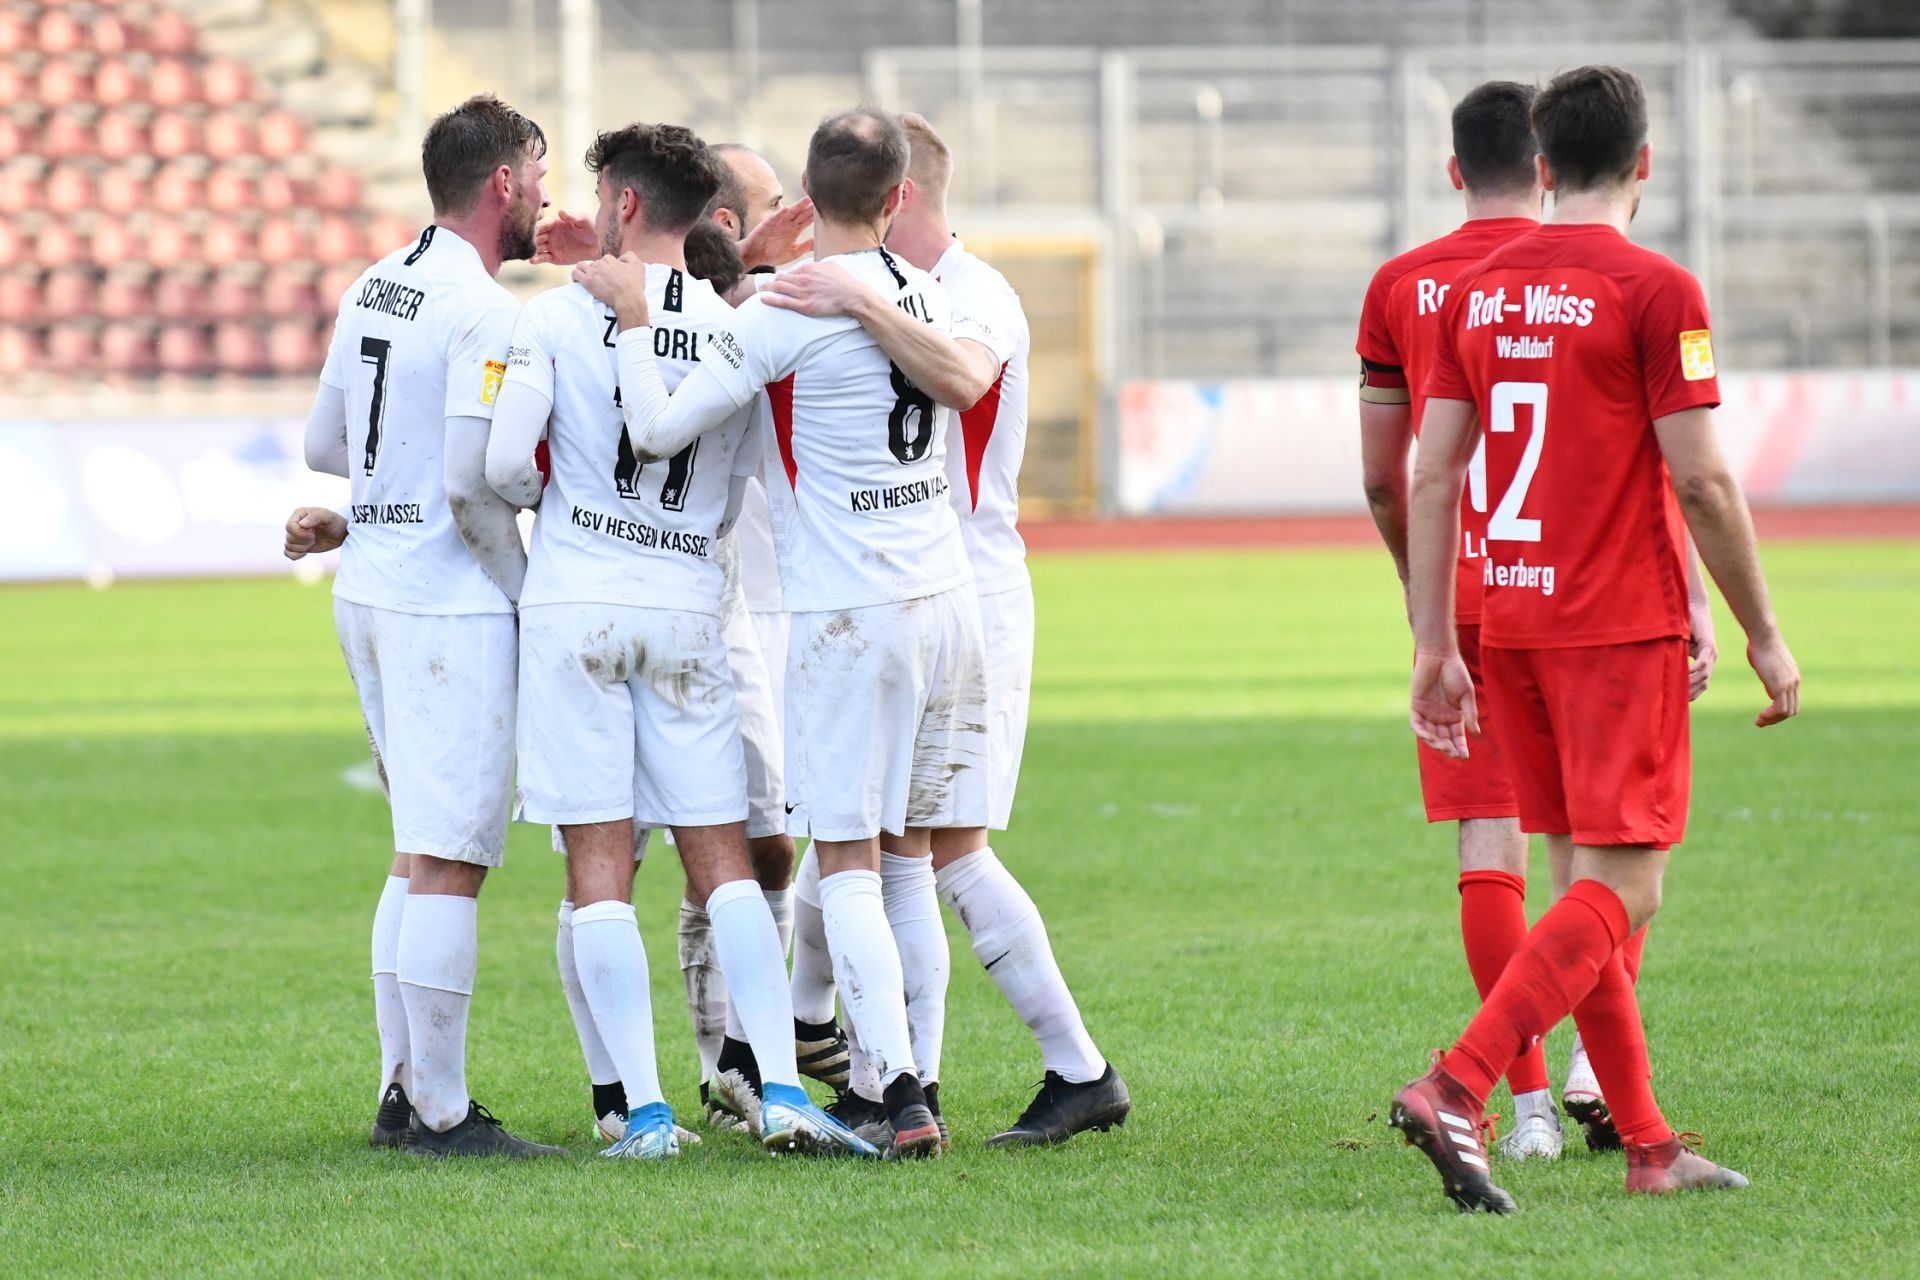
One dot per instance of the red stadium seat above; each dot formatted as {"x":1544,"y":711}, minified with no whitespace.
{"x":119,"y":135}
{"x":122,"y":190}
{"x":167,"y":242}
{"x":20,"y":294}
{"x":283,"y":239}
{"x":127,"y":350}
{"x":179,"y":294}
{"x":184,"y":349}
{"x":337,"y":189}
{"x":229,"y":134}
{"x":59,"y":32}
{"x":177,"y":188}
{"x":239,"y":348}
{"x":170,"y":32}
{"x":225,"y":83}
{"x":109,"y":33}
{"x":14,"y":83}
{"x":62,"y":83}
{"x":387,"y":233}
{"x":14,"y":248}
{"x":16,"y":36}
{"x":69,"y":190}
{"x":20,"y":350}
{"x":20,"y":189}
{"x":277,"y":191}
{"x":112,"y":243}
{"x":290,"y":292}
{"x":335,"y":281}
{"x":72,"y":347}
{"x":69,"y":294}
{"x":281,"y":135}
{"x":171,"y":83}
{"x":116,"y":82}
{"x":127,"y":293}
{"x":66,"y":133}
{"x":296,"y":348}
{"x":58,"y":245}
{"x":225,"y":240}
{"x":230,"y":189}
{"x":173,"y":134}
{"x":339,"y":240}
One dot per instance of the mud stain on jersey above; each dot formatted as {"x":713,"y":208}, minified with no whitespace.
{"x":437,"y":668}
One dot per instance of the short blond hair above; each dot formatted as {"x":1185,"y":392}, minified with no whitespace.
{"x":929,"y":160}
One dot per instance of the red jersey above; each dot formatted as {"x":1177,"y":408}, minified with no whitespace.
{"x":1570,"y":341}
{"x":1399,"y":328}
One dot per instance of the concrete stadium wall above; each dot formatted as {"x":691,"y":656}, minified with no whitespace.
{"x":1292,"y":445}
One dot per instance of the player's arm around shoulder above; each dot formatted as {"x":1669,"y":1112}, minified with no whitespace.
{"x":735,"y":363}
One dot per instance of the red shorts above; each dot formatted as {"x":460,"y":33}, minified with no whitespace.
{"x":1477,"y":787}
{"x":1596,"y":739}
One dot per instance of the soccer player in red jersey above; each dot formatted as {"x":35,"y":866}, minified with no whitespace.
{"x":1590,"y":363}
{"x":1492,"y":163}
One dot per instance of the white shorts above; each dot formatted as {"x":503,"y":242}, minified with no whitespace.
{"x":886,"y":717}
{"x":759,"y":723}
{"x":627,"y":713}
{"x":438,"y":696}
{"x":1006,"y":623}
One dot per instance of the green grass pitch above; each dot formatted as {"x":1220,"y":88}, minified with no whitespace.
{"x":1219,"y":821}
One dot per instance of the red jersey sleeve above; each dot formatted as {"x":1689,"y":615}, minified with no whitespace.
{"x":1447,"y":380}
{"x":1383,"y":377}
{"x":1675,"y":340}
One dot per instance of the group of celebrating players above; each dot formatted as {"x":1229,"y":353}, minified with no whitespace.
{"x":774,"y":585}
{"x":1561,"y":380}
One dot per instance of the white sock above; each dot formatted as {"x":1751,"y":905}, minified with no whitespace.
{"x":780,"y":902}
{"x":748,"y":946}
{"x":1011,"y":941}
{"x":439,"y":952}
{"x":867,"y":968}
{"x":861,"y":1077}
{"x":706,"y":988}
{"x":600,"y":1068}
{"x":812,"y":985}
{"x":1537,"y":1103}
{"x":913,"y":909}
{"x":389,"y":1010}
{"x":613,"y":973}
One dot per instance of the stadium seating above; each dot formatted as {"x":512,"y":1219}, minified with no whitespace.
{"x":160,"y":212}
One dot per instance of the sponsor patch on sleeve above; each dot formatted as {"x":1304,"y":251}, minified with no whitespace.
{"x":490,"y":383}
{"x":1696,"y":355}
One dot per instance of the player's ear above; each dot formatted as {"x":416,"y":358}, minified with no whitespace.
{"x":909,"y":192}
{"x":1542,"y":173}
{"x":1645,"y":164}
{"x":1453,"y":174}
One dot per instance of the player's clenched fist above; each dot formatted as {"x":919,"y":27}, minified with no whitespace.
{"x":564,"y":239}
{"x":1443,"y":712}
{"x":313,"y":530}
{"x":619,"y":283}
{"x":1779,"y":674}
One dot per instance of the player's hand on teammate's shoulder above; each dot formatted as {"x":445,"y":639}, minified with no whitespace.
{"x":1779,"y":674}
{"x":620,"y":283}
{"x":1443,"y":709}
{"x":782,"y":236}
{"x":817,"y":289}
{"x":314,"y":530}
{"x":564,"y":239}
{"x":1701,"y":649}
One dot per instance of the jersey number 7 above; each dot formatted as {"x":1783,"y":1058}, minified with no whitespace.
{"x":375,"y":351}
{"x":1506,"y":523}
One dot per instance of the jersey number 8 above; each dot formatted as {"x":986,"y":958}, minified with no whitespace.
{"x":910,"y":422}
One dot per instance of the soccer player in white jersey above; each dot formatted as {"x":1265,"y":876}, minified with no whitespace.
{"x":627,"y":715}
{"x":886,"y":686}
{"x":424,"y":599}
{"x":982,"y":371}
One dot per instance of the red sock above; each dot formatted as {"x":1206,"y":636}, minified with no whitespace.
{"x":1631,"y":953}
{"x":1553,"y":971}
{"x":1609,"y":1022}
{"x":1493,"y":923}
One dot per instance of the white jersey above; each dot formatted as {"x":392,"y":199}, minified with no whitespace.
{"x":422,"y":337}
{"x":983,"y":463}
{"x":759,"y":567}
{"x":859,"y":497}
{"x":610,"y":530}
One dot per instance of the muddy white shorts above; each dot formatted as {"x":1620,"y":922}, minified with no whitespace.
{"x":754,"y":687}
{"x":1006,"y":623}
{"x":886,"y":717}
{"x":627,"y":712}
{"x":437,"y":692}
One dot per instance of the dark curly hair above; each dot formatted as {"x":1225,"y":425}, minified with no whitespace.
{"x":667,"y":165}
{"x":713,"y":256}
